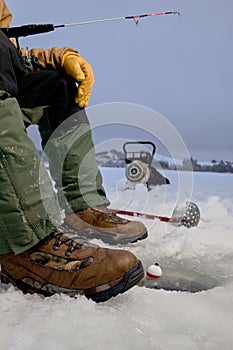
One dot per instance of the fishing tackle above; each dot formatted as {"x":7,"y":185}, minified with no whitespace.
{"x":32,"y":29}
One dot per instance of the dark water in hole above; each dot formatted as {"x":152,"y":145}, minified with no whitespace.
{"x":183,"y":280}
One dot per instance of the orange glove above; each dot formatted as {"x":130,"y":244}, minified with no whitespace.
{"x":78,"y":68}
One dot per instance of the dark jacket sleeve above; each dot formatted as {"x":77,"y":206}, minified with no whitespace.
{"x":11,"y":66}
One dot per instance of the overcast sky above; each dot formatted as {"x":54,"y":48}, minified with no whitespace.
{"x":180,"y":67}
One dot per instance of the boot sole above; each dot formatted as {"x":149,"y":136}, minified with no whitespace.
{"x":130,"y":279}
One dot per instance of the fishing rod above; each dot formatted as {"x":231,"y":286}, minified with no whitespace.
{"x":32,"y":29}
{"x":134,"y":17}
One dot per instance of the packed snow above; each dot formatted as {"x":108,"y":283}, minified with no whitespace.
{"x":144,"y":318}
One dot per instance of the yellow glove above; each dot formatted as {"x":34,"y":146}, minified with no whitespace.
{"x":78,"y":68}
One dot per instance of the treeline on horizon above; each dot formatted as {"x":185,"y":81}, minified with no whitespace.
{"x":214,"y":166}
{"x":116,"y":158}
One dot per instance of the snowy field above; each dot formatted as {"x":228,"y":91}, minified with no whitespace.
{"x":142,"y":318}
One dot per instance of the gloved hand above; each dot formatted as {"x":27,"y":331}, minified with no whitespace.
{"x":78,"y":68}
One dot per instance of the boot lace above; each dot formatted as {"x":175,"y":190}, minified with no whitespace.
{"x":103,"y":213}
{"x":62,"y":237}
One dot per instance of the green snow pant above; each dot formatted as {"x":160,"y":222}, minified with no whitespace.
{"x":73,"y":166}
{"x":66,"y":138}
{"x":30,"y":208}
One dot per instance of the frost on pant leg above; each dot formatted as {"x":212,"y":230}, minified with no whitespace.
{"x":28,"y":205}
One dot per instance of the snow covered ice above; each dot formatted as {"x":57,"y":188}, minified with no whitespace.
{"x":145,"y":318}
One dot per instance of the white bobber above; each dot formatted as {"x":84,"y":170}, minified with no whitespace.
{"x":154,"y":271}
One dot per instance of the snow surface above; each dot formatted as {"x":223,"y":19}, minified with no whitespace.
{"x":145,"y":318}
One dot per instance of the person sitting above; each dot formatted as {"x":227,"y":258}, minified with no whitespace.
{"x":44,"y":231}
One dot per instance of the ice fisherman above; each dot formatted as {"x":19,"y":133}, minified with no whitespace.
{"x":38,"y":251}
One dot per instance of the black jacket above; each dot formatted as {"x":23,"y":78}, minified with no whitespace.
{"x":11,"y":66}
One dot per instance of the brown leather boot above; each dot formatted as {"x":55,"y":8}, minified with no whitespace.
{"x":66,"y":264}
{"x":102,"y":223}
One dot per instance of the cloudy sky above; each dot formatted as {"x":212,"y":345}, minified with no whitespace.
{"x":179,"y":67}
